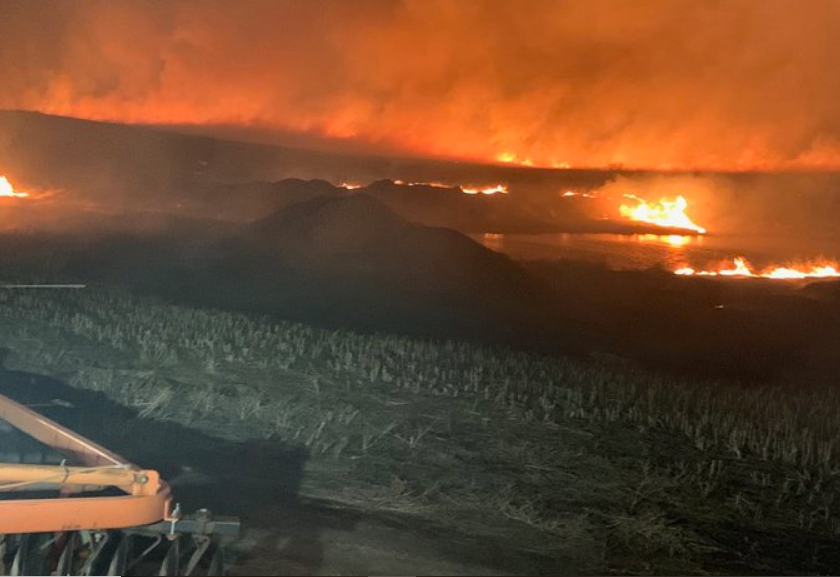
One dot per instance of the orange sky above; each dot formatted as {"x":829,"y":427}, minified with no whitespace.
{"x":725,"y":84}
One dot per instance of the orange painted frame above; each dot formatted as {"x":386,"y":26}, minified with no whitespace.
{"x":147,"y":500}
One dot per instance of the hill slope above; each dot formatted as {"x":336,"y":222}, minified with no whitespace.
{"x":334,"y":260}
{"x":351,"y":258}
{"x":116,"y":167}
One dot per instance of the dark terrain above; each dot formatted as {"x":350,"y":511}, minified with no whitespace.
{"x":440,"y":403}
{"x":350,"y":262}
{"x":283,"y":533}
{"x":90,"y":169}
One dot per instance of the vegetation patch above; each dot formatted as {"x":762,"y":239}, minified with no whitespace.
{"x":598,"y":467}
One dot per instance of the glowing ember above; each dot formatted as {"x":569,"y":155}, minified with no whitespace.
{"x":742,"y":269}
{"x":667,"y":213}
{"x":7,"y":190}
{"x":496,"y":189}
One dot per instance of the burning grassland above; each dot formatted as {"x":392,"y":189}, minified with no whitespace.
{"x":8,"y":191}
{"x":573,"y":194}
{"x":400,"y":182}
{"x":590,"y":84}
{"x":668,"y":212}
{"x":487,"y":189}
{"x":740,"y":268}
{"x":471,"y":189}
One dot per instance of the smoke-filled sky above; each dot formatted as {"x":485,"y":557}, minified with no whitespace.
{"x":726,"y":84}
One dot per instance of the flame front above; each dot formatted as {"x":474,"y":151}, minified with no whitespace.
{"x":666,"y":213}
{"x":429,"y":184}
{"x":494,"y":189}
{"x":572,"y":193}
{"x":7,"y":190}
{"x":488,"y":189}
{"x":742,"y":269}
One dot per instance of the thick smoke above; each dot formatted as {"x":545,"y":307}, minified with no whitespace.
{"x":735,"y":84}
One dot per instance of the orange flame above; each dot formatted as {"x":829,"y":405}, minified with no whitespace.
{"x":572,"y":193}
{"x":429,"y":184}
{"x":674,"y":240}
{"x":495,"y":189}
{"x":473,"y":189}
{"x":666,"y":213}
{"x":506,"y":157}
{"x":7,"y":190}
{"x":743,"y":269}
{"x":513,"y":158}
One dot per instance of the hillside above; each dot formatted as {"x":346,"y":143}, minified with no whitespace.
{"x":338,"y":261}
{"x":108,"y":167}
{"x":351,"y":258}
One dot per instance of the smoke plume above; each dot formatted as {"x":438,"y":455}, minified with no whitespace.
{"x":735,"y":84}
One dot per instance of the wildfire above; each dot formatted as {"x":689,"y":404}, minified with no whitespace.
{"x":742,"y":268}
{"x":674,"y":240}
{"x":666,"y":213}
{"x":350,"y":186}
{"x":495,"y":189}
{"x":472,"y":189}
{"x":512,"y":158}
{"x":7,"y":190}
{"x":572,"y":193}
{"x":429,"y":184}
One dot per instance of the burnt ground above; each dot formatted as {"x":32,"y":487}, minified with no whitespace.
{"x":282,"y":534}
